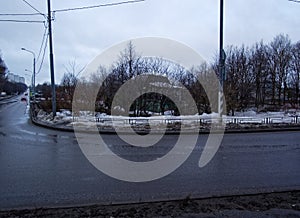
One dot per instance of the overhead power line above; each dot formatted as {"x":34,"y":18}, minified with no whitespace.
{"x":21,"y":21}
{"x":43,"y":41}
{"x":44,"y":52}
{"x":98,"y":6}
{"x":61,"y":10}
{"x":34,"y":8}
{"x":24,"y":14}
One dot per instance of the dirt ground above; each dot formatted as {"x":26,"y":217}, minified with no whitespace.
{"x":283,"y":204}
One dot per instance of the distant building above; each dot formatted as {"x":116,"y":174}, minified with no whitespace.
{"x":22,"y":80}
{"x":15,"y":78}
{"x":10,"y":77}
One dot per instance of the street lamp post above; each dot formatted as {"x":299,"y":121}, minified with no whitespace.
{"x":33,"y":77}
{"x":30,"y":76}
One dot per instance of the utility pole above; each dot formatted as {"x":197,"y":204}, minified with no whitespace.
{"x":34,"y":79}
{"x":51,"y":61}
{"x":222,"y":58}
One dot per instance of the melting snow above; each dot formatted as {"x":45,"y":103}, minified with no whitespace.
{"x":87,"y":118}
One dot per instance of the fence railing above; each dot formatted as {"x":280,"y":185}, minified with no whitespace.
{"x":294,"y":119}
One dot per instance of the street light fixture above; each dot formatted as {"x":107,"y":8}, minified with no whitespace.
{"x":26,"y":70}
{"x":33,"y":77}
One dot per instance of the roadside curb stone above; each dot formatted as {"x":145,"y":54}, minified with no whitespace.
{"x":229,"y":129}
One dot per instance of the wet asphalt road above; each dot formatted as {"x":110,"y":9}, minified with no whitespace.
{"x":42,"y":167}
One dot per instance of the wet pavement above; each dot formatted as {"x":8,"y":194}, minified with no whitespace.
{"x":42,"y":167}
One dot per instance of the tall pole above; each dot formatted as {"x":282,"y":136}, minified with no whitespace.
{"x":221,"y":40}
{"x":222,"y":58}
{"x":51,"y":61}
{"x":33,"y":74}
{"x":34,"y":78}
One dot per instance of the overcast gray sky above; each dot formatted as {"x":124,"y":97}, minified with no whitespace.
{"x":82,"y":35}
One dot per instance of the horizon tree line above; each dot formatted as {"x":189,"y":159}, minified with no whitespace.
{"x":6,"y":86}
{"x":265,"y":76}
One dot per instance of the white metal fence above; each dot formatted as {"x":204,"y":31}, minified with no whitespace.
{"x":295,"y":119}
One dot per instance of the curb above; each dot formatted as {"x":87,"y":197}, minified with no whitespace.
{"x":9,"y":99}
{"x":248,"y":193}
{"x":167,"y":132}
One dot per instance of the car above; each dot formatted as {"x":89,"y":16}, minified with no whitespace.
{"x":23,"y":98}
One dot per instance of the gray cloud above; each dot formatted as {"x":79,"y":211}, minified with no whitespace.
{"x":82,"y":35}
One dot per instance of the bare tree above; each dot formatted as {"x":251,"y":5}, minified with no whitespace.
{"x":68,"y":85}
{"x":295,"y":70}
{"x":239,"y":82}
{"x":259,"y":64}
{"x":264,"y":74}
{"x":3,"y":69}
{"x":280,"y":49}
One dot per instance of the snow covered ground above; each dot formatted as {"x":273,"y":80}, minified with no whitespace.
{"x":86,"y":119}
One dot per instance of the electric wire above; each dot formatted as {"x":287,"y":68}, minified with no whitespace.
{"x":98,"y":6}
{"x":60,"y":10}
{"x":43,"y":41}
{"x":24,"y":14}
{"x":21,"y":21}
{"x":43,"y":56}
{"x":34,"y":8}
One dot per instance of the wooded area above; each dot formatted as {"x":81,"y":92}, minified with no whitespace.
{"x":265,"y":76}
